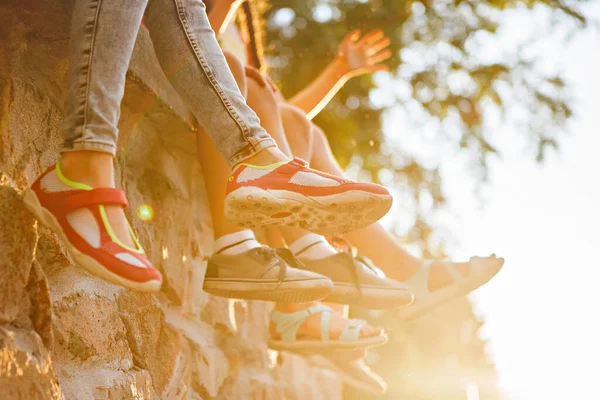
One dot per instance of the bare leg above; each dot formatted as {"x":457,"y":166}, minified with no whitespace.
{"x":273,"y":116}
{"x":214,"y":166}
{"x":265,"y":104}
{"x":299,"y":131}
{"x":374,"y":241}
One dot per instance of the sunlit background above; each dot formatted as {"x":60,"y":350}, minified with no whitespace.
{"x":511,"y":172}
{"x":540,"y":313}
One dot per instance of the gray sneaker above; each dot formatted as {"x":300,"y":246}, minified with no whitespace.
{"x":356,"y":281}
{"x":261,"y":274}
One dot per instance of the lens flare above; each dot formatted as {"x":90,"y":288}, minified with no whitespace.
{"x":145,"y":212}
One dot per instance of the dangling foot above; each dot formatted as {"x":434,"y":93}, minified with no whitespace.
{"x":435,"y":283}
{"x":355,"y":280}
{"x":96,"y":170}
{"x":317,"y":328}
{"x":91,"y":222}
{"x":243,"y":269}
{"x":289,"y":193}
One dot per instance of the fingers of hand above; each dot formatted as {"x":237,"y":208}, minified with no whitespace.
{"x":352,"y":37}
{"x":380,"y":57}
{"x":378,"y":67}
{"x":371,"y":37}
{"x":378,"y":46}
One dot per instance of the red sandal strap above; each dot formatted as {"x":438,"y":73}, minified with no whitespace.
{"x":86,"y":198}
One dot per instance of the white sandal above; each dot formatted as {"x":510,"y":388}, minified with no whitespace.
{"x":481,"y":271}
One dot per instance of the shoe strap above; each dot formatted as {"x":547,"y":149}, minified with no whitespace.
{"x":75,"y":199}
{"x":352,"y":264}
{"x":350,"y":254}
{"x":289,"y":257}
{"x":287,"y":324}
{"x":269,"y":253}
{"x":453,"y":272}
{"x":352,"y":330}
{"x":419,"y":282}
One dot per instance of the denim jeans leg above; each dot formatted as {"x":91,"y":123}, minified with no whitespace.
{"x":192,"y":60}
{"x":103,"y":34}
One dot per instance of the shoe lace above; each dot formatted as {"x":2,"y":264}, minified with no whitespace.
{"x":290,"y":258}
{"x":273,"y":259}
{"x":343,"y":244}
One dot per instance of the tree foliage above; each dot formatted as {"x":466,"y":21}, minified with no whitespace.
{"x":440,"y":79}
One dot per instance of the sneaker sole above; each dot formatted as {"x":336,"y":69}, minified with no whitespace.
{"x":303,"y":291}
{"x":302,"y":345}
{"x":370,"y":297}
{"x":253,"y":207}
{"x":88,"y":263}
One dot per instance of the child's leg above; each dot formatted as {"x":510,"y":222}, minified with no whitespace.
{"x":100,"y":48}
{"x":373,"y":241}
{"x":380,"y":246}
{"x":214,"y":166}
{"x":249,"y":271}
{"x":76,"y":198}
{"x":315,"y":252}
{"x":263,"y":101}
{"x":271,"y":113}
{"x":192,"y":60}
{"x":299,"y":131}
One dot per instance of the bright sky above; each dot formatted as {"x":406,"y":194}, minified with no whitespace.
{"x":541,"y":311}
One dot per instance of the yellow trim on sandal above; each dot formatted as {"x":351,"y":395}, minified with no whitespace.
{"x":274,"y":165}
{"x":68,"y":182}
{"x":114,"y":237}
{"x":111,"y":233}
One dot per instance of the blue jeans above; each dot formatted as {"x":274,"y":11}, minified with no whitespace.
{"x":103,"y":35}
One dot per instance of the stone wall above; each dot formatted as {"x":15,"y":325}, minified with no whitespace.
{"x":66,"y":334}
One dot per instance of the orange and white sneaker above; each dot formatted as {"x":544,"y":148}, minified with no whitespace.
{"x":291,"y":194}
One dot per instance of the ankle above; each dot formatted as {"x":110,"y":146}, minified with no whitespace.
{"x":267,"y":156}
{"x":90,"y":167}
{"x":399,"y":265}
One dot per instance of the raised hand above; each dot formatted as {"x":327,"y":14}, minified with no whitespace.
{"x":363,"y":54}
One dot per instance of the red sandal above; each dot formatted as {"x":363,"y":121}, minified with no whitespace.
{"x":110,"y":259}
